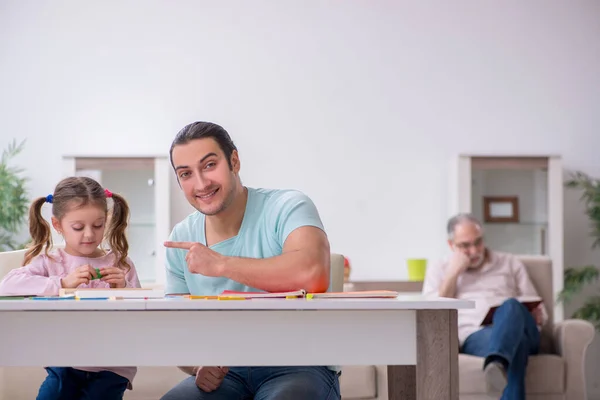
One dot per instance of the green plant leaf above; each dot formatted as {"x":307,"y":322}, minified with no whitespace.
{"x":6,"y":242}
{"x":590,"y":311}
{"x":13,"y":196}
{"x":575,"y":279}
{"x":590,"y":196}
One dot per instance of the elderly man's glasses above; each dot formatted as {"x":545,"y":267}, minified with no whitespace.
{"x":465,"y":245}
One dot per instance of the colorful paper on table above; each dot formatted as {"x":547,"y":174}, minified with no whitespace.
{"x":365,"y":294}
{"x":195,"y":297}
{"x":53,"y":297}
{"x":230,"y":295}
{"x":99,"y":298}
{"x":16,"y":297}
{"x":531,"y":302}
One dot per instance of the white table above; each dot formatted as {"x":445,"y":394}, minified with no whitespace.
{"x":415,"y":336}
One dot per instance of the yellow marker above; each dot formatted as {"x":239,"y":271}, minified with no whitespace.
{"x":309,"y":296}
{"x":231,"y":298}
{"x":192,"y":297}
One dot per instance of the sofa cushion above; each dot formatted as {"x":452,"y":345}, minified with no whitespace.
{"x":21,"y":383}
{"x":358,"y":382}
{"x":545,"y":374}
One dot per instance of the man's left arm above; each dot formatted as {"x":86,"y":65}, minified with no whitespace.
{"x":303,"y":264}
{"x":305,"y":259}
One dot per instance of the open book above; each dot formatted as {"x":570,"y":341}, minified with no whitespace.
{"x":365,"y":294}
{"x":263,"y":295}
{"x":531,"y":302}
{"x":303,"y":294}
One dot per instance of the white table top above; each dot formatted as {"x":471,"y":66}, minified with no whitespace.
{"x":408,"y":302}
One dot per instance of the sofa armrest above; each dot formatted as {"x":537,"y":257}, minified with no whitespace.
{"x":571,"y":340}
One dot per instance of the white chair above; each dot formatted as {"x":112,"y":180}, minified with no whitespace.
{"x":14,"y":259}
{"x":336,"y":278}
{"x":10,"y":260}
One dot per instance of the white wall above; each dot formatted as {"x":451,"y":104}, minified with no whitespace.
{"x":361,"y":104}
{"x":351,"y":99}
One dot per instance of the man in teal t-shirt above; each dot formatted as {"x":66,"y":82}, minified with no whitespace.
{"x":243,"y":239}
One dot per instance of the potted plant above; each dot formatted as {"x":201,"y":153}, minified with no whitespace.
{"x":13,"y":198}
{"x":577,"y":277}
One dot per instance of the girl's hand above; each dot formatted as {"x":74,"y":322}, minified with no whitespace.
{"x":78,"y":276}
{"x":114,"y":276}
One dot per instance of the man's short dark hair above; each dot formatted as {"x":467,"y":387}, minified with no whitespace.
{"x":202,"y":130}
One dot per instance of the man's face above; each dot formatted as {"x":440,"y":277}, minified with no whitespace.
{"x":205,"y":176}
{"x":468,"y":239}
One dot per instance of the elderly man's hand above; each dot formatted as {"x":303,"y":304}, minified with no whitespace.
{"x":459,"y":262}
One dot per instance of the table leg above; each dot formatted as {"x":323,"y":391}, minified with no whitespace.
{"x":435,"y":377}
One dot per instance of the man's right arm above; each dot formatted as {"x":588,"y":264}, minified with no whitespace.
{"x":457,"y":264}
{"x":441,"y":278}
{"x":448,"y":285}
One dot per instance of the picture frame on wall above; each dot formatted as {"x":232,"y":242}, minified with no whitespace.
{"x":501,"y":209}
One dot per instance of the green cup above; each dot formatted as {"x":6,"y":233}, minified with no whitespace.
{"x":416,"y":269}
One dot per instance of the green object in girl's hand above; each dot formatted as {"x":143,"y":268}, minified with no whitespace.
{"x":98,"y":274}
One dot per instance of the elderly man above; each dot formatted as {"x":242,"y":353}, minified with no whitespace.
{"x":488,"y":277}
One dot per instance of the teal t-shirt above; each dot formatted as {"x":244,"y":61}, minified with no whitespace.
{"x":271,"y":215}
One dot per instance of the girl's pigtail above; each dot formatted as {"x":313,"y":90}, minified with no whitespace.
{"x":39,"y":229}
{"x":117,"y":239}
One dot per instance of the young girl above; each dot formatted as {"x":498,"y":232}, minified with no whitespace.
{"x":79,"y":214}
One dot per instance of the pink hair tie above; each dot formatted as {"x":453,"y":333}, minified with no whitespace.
{"x":108,"y":193}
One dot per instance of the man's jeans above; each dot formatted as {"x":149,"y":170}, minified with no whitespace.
{"x":66,"y":383}
{"x":512,"y":337}
{"x":265,"y":383}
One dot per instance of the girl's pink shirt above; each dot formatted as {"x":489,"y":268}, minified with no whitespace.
{"x":42,"y":277}
{"x":43,"y":274}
